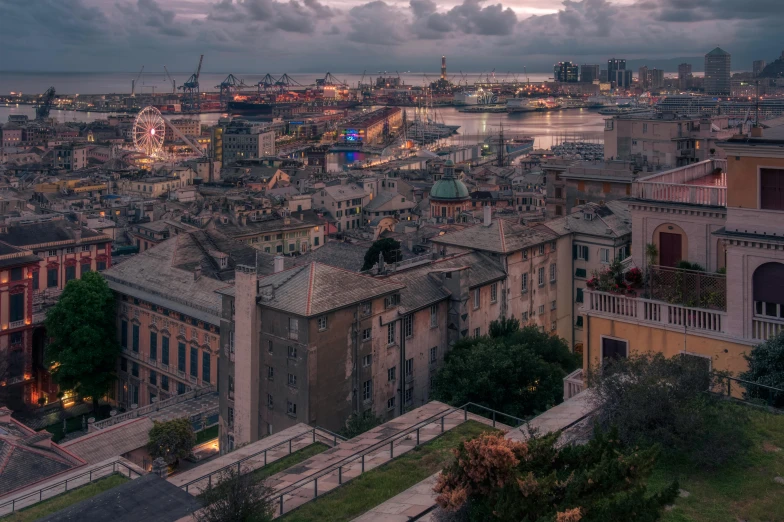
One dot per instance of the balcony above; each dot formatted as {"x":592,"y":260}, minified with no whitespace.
{"x":573,"y":384}
{"x":16,"y":324}
{"x":703,"y":183}
{"x":690,"y":288}
{"x":764,"y":328}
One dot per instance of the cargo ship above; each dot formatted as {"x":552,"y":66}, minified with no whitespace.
{"x":247,"y":108}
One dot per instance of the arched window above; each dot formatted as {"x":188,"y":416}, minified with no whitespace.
{"x":768,"y":288}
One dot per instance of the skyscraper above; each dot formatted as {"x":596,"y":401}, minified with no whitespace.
{"x":717,"y":72}
{"x":589,"y":73}
{"x":684,"y":76}
{"x":642,"y":76}
{"x":443,"y":67}
{"x":758,"y":66}
{"x":655,"y":78}
{"x":565,"y":72}
{"x":622,"y":79}
{"x":614,"y":65}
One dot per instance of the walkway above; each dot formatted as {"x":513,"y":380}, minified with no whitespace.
{"x":420,"y":497}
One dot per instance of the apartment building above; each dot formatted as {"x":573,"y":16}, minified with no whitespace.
{"x":727,"y":217}
{"x":156,"y":186}
{"x":238,"y":140}
{"x":69,"y":157}
{"x":572,"y":182}
{"x":344,"y":203}
{"x":280,"y":233}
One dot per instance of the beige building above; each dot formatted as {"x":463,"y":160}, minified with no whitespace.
{"x":279,"y":233}
{"x":571,"y":183}
{"x":69,"y":157}
{"x":156,"y":186}
{"x":344,"y":203}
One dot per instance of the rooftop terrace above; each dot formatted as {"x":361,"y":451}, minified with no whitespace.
{"x":703,"y":183}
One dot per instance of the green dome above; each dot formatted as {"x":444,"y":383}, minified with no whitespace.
{"x":449,"y":188}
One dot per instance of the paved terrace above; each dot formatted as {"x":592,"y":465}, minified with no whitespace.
{"x":419,"y":498}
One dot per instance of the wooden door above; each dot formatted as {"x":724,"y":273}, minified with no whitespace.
{"x":669,"y":249}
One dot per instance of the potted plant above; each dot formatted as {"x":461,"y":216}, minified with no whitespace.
{"x":634,"y":277}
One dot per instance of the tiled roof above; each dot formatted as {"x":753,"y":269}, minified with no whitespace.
{"x":47,"y":232}
{"x":343,"y":192}
{"x":111,"y":442}
{"x":502,"y":237}
{"x":382,"y":202}
{"x":316,"y":288}
{"x":347,"y":256}
{"x":613,"y":216}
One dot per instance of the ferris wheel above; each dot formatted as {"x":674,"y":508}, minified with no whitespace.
{"x":149,"y":129}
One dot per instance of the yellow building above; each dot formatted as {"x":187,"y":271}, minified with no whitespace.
{"x":727,"y":217}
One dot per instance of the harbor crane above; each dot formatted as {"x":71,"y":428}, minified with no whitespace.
{"x":168,"y":77}
{"x":229,"y":87}
{"x":191,"y":90}
{"x":329,"y":79}
{"x":45,"y":104}
{"x":134,"y":82}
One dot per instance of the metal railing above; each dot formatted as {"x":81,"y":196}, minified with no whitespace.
{"x":138,"y":412}
{"x":689,"y":287}
{"x":278,"y":497}
{"x":313,"y":432}
{"x":749,"y":391}
{"x":62,"y":487}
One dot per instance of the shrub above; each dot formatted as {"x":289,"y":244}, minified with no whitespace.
{"x":236,"y":497}
{"x":358,"y":424}
{"x":651,"y":399}
{"x":496,"y":479}
{"x":766,"y":366}
{"x":171,"y":440}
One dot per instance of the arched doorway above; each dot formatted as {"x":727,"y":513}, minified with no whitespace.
{"x":672,"y":243}
{"x":767,"y":284}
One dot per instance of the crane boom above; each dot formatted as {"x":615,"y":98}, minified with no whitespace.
{"x":169,"y":77}
{"x":198,"y":71}
{"x":134,"y":82}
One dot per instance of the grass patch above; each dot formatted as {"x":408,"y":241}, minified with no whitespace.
{"x":741,"y":490}
{"x":384,"y":482}
{"x":55,"y":504}
{"x":207,"y":434}
{"x":288,"y":461}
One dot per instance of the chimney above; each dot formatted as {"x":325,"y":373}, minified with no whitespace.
{"x":756,"y":132}
{"x":278,"y":263}
{"x":488,"y":215}
{"x":78,"y":233}
{"x":196,"y":273}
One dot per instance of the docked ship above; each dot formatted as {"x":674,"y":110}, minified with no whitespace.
{"x":249,"y":108}
{"x":513,"y":146}
{"x":520,"y":105}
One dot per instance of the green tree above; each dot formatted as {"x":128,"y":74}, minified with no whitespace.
{"x":83,"y":348}
{"x":497,"y":479}
{"x":519,"y":373}
{"x":389,"y":247}
{"x":358,"y":424}
{"x":504,"y":327}
{"x":235,"y":497}
{"x":766,"y":366}
{"x":171,"y":440}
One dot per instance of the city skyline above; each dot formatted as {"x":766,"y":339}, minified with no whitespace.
{"x":353,"y":35}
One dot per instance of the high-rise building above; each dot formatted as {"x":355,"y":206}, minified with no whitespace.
{"x":565,"y":72}
{"x":604,"y":76}
{"x":589,"y":73}
{"x":655,"y":78}
{"x":614,"y":65}
{"x":758,"y":66}
{"x":642,"y":76}
{"x":622,"y":79}
{"x":684,"y":76}
{"x":717,"y":72}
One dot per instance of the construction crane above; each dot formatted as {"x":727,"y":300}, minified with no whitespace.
{"x":168,"y":77}
{"x":228,"y":87}
{"x":329,"y":79}
{"x":191,"y":90}
{"x":45,"y":104}
{"x":134,"y":82}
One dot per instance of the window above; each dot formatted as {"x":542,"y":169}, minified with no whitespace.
{"x":525,"y":254}
{"x":322,"y":322}
{"x":580,"y":297}
{"x":194,"y":362}
{"x":293,"y":328}
{"x":525,"y":317}
{"x":164,"y":382}
{"x":366,"y":308}
{"x":231,"y":417}
{"x":17,"y":274}
{"x":165,"y":350}
{"x":85,"y":248}
{"x":292,"y":352}
{"x":553,"y":272}
{"x":70,"y":273}
{"x":408,"y":325}
{"x":366,"y":360}
{"x":134,"y":368}
{"x":123,"y":364}
{"x":391,"y":333}
{"x":391,"y":301}
{"x":153,"y":378}
{"x":772,"y":189}
{"x":408,"y":368}
{"x":614,"y":348}
{"x":409,"y":395}
{"x":291,"y":408}
{"x":292,"y":380}
{"x":51,"y":278}
{"x":541,"y":249}
{"x":541,"y":309}
{"x":206,"y":363}
{"x":541,"y":276}
{"x":494,"y":292}
{"x":391,"y":373}
{"x":270,"y":373}
{"x":604,"y":255}
{"x":52,"y":253}
{"x":552,"y":305}
{"x":100,"y":265}
{"x":270,"y":402}
{"x":524,"y":284}
{"x":581,"y":272}
{"x":477,"y":300}
{"x":70,"y":250}
{"x":433,"y":316}
{"x":366,"y":334}
{"x":579,"y":322}
{"x":433,"y":354}
{"x":181,"y":357}
{"x":391,"y":403}
{"x":367,"y":390}
{"x":135,"y":338}
{"x":477,"y":332}
{"x":269,"y":346}
{"x":17,"y":307}
{"x":153,"y":346}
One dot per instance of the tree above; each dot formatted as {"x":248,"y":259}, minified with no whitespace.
{"x":83,"y":348}
{"x":504,"y":326}
{"x":651,"y":399}
{"x":498,"y":479}
{"x":358,"y":424}
{"x":388,"y":247}
{"x":519,"y":373}
{"x":171,"y":440}
{"x":237,"y":498}
{"x":766,"y":366}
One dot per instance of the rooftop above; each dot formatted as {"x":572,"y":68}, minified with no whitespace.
{"x":702,"y":183}
{"x":502,"y":237}
{"x":610,"y":220}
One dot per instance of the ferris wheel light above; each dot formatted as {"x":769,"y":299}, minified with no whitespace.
{"x":152,"y":131}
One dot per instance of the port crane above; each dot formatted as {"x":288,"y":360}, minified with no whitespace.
{"x":168,"y":77}
{"x":329,"y":79}
{"x":45,"y":104}
{"x":229,"y":87}
{"x":134,"y":82}
{"x":191,"y":90}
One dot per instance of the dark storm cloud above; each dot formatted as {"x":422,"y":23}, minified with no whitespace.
{"x":470,"y":17}
{"x":708,"y":10}
{"x":377,"y":23}
{"x":70,"y":23}
{"x":291,"y":16}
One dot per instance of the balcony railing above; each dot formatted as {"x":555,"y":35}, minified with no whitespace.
{"x":690,"y":184}
{"x":689,"y":287}
{"x":573,"y":384}
{"x":655,"y":312}
{"x":16,"y":324}
{"x":763,"y":328}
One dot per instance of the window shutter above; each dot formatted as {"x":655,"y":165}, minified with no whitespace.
{"x":586,"y":253}
{"x":574,"y":251}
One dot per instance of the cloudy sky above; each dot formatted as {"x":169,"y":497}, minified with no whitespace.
{"x":245,"y":36}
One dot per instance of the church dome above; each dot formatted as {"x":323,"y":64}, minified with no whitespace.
{"x":449,"y":188}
